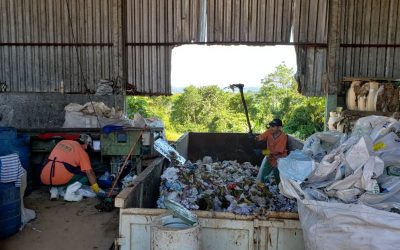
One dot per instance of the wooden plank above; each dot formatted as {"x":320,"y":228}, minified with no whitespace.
{"x":322,"y":28}
{"x":218,"y":22}
{"x":396,"y":56}
{"x":277,"y":31}
{"x":195,"y":20}
{"x":365,"y":37}
{"x":124,"y":198}
{"x":178,"y":31}
{"x":373,"y":33}
{"x":13,"y":49}
{"x":244,"y":22}
{"x":210,"y":20}
{"x":3,"y":25}
{"x":229,"y":21}
{"x":21,"y":51}
{"x":185,"y":21}
{"x":163,"y":64}
{"x":383,"y":38}
{"x":235,"y":21}
{"x":170,"y":20}
{"x":270,"y":21}
{"x":262,"y":22}
{"x":286,"y":21}
{"x":252,"y":35}
{"x":333,"y":46}
{"x":296,"y":20}
{"x":391,"y":37}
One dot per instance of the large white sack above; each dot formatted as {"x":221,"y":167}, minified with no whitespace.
{"x":388,"y":148}
{"x":373,"y":126}
{"x":347,"y":226}
{"x":297,"y":166}
{"x":79,"y":120}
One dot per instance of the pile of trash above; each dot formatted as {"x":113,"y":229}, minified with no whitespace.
{"x":221,"y":186}
{"x":362,"y":168}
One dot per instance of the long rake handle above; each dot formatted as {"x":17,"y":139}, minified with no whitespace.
{"x":124,"y":165}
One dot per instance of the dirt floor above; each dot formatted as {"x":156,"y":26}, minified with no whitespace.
{"x":64,"y":225}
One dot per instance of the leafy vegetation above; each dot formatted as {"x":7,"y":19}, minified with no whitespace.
{"x":211,"y":109}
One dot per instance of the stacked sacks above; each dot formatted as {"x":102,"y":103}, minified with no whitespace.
{"x":356,"y":170}
{"x":221,"y":186}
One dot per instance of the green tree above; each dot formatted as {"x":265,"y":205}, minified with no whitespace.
{"x":210,"y":109}
{"x":278,"y":97}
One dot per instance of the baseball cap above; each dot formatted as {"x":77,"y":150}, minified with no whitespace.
{"x":276,"y":123}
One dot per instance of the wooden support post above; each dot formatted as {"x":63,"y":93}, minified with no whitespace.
{"x":332,"y":58}
{"x":119,"y":28}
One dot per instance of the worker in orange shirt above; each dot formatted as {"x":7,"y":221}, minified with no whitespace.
{"x":69,"y":164}
{"x":276,"y":148}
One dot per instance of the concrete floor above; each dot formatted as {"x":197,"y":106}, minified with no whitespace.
{"x":64,"y":225}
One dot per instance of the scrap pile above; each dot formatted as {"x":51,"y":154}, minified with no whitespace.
{"x":363,"y":168}
{"x":221,"y":186}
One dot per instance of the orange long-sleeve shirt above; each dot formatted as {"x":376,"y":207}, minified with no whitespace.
{"x":70,"y":152}
{"x":276,"y":146}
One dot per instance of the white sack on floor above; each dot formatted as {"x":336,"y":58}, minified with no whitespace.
{"x":347,"y":226}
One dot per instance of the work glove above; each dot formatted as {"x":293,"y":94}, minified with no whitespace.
{"x":99,"y":192}
{"x":95,"y":187}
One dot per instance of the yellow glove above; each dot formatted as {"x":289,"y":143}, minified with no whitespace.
{"x":265,"y":152}
{"x":95,"y":187}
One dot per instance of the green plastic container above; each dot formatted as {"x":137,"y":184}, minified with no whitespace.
{"x":120,"y":142}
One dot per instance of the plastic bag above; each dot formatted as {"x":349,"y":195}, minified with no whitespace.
{"x":359,"y":154}
{"x":326,"y":170}
{"x":71,"y":194}
{"x":86,"y":191}
{"x":297,"y":166}
{"x":320,"y":144}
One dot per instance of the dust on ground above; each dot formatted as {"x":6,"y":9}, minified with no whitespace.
{"x":64,"y":225}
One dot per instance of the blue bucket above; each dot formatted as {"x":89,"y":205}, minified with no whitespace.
{"x":10,"y":209}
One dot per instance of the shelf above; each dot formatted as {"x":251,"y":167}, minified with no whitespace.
{"x":368,"y":79}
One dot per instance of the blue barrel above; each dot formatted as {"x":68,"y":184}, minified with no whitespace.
{"x":10,"y":209}
{"x":8,"y":136}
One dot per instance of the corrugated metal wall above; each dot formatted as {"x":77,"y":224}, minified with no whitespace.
{"x":249,"y":20}
{"x":310,"y":26}
{"x":44,"y":42}
{"x":370,"y":39}
{"x":153,"y":27}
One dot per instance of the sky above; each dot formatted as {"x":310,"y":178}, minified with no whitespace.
{"x":201,"y":65}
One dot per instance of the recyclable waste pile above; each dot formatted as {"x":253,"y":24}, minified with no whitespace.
{"x":363,"y":167}
{"x":221,"y":186}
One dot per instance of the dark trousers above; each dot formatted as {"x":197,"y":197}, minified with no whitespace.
{"x":266,"y":169}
